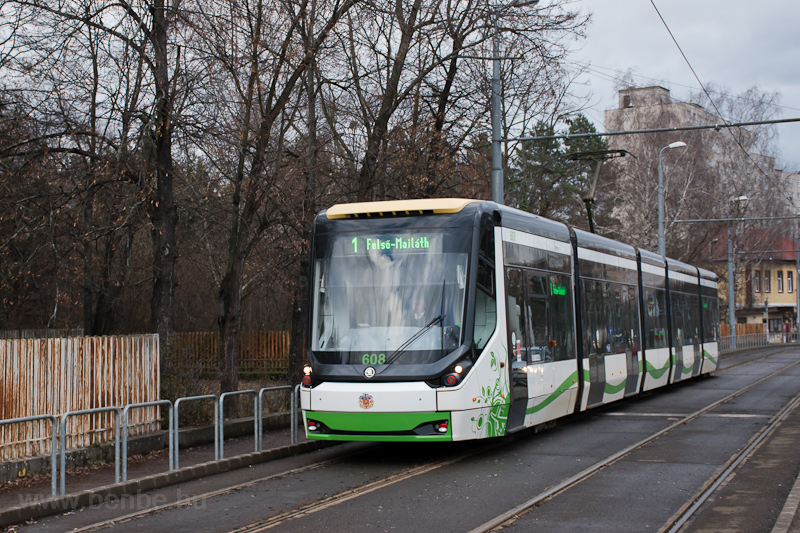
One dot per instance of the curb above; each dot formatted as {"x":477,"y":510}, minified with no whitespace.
{"x":68,"y":502}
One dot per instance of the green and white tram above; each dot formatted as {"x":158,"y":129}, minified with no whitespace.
{"x":453,"y":319}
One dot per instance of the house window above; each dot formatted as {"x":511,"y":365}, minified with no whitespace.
{"x":789,"y":284}
{"x":757,"y":281}
{"x":780,"y":280}
{"x":767,"y":276}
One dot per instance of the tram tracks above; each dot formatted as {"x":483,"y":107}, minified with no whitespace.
{"x":354,"y":493}
{"x":709,"y":488}
{"x":678,"y":520}
{"x":691,"y":507}
{"x":286,"y":516}
{"x":185,"y":502}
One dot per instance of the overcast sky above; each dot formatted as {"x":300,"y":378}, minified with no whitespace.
{"x":733,"y":44}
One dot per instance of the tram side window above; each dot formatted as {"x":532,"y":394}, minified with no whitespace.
{"x":632,"y":325}
{"x":655,"y":318}
{"x":693,"y":320}
{"x":485,"y":318}
{"x":516,"y":321}
{"x":562,"y":318}
{"x":485,"y":302}
{"x":710,"y":319}
{"x":610,"y":316}
{"x":540,"y":320}
{"x":537,"y":317}
{"x":685,"y":322}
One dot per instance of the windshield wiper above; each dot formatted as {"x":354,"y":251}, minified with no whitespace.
{"x":403,"y":347}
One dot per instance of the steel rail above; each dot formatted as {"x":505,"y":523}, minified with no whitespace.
{"x":350,"y":494}
{"x":288,"y":515}
{"x":588,"y":472}
{"x":205,"y":495}
{"x":689,"y":509}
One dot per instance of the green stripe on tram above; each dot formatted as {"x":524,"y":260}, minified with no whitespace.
{"x":657,"y":373}
{"x":376,"y":426}
{"x":614,"y":389}
{"x":375,"y":421}
{"x":709,"y":357}
{"x":561,"y":389}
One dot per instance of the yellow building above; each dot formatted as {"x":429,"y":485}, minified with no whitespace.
{"x":766,"y":266}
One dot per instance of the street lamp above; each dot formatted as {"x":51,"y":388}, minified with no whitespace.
{"x":742,"y":202}
{"x":661,"y":246}
{"x":497,"y":137}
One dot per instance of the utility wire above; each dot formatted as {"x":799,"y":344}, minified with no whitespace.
{"x":719,"y":113}
{"x":613,"y":75}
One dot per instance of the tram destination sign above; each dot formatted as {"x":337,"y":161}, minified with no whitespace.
{"x":395,"y":243}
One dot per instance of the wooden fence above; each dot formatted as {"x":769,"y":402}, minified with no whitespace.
{"x":40,"y":333}
{"x":259,"y":351}
{"x":741,"y":329}
{"x":53,"y":376}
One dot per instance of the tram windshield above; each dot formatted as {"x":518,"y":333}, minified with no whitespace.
{"x":389,"y":297}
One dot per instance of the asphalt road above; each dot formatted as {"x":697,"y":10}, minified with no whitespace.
{"x":460,"y":486}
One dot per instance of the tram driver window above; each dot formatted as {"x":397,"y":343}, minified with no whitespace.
{"x":485,"y":318}
{"x":515,"y":317}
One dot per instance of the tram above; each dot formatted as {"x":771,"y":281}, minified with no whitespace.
{"x":457,"y":319}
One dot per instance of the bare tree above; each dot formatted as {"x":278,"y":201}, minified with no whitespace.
{"x":101,"y":81}
{"x":260,"y":52}
{"x":701,"y":179}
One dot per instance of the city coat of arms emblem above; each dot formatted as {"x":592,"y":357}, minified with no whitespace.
{"x":365,"y":401}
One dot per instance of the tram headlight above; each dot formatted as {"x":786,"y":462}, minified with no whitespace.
{"x":306,"y":380}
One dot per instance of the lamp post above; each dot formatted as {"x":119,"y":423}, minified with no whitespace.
{"x":661,"y":247}
{"x":497,"y":153}
{"x":497,"y":134}
{"x":741,"y":201}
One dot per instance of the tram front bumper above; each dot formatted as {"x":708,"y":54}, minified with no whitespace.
{"x":387,"y":427}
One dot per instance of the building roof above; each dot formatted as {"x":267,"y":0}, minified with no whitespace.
{"x":757,"y":245}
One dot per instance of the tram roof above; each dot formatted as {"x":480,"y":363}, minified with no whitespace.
{"x":652,"y":258}
{"x":592,"y":241}
{"x":707,"y":274}
{"x":523,"y":221}
{"x":398,"y":207}
{"x":679,"y":266}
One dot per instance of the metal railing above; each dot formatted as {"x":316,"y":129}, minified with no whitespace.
{"x":125,"y":433}
{"x":58,"y":451}
{"x":216,"y":423}
{"x":53,"y":434}
{"x":221,"y":418}
{"x":63,"y":433}
{"x":755,"y":340}
{"x":260,"y":416}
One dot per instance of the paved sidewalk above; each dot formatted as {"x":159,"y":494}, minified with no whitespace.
{"x":31,"y":497}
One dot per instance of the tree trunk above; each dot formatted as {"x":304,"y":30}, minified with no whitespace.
{"x":230,"y":324}
{"x":300,"y":296}
{"x":164,"y":212}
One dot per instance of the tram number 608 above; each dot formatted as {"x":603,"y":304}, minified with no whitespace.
{"x":373,"y":358}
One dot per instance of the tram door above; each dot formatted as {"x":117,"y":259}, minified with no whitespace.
{"x":530,"y":332}
{"x":694,"y":306}
{"x":518,"y":348}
